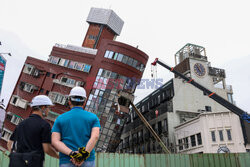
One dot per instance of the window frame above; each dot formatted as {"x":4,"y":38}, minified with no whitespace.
{"x":221,"y":136}
{"x":193,"y":142}
{"x":213,"y":136}
{"x":229,"y":135}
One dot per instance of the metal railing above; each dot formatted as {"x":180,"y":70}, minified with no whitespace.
{"x":77,"y":48}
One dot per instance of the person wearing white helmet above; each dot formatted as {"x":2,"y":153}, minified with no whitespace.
{"x":75,"y":133}
{"x":32,"y":136}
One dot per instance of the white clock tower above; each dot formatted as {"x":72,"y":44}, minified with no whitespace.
{"x":191,"y":60}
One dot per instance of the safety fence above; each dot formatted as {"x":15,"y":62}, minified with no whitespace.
{"x":156,"y":160}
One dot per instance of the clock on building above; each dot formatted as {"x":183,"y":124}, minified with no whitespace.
{"x":199,"y":69}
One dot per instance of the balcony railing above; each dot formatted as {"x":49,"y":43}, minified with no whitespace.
{"x":217,"y":72}
{"x":77,"y":48}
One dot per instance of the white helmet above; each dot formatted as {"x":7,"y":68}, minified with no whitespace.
{"x":78,"y":91}
{"x":41,"y":100}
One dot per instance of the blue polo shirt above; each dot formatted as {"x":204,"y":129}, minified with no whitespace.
{"x":75,"y":127}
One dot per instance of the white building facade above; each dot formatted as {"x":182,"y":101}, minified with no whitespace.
{"x":209,"y":132}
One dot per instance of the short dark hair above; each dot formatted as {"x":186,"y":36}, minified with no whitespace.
{"x":35,"y":108}
{"x":77,"y":103}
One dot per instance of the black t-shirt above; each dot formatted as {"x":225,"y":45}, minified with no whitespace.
{"x":31,"y":133}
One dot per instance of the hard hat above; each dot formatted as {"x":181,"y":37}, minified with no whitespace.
{"x":78,"y":91}
{"x":1,"y":104}
{"x":41,"y":100}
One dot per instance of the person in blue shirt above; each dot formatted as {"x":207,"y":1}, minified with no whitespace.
{"x":76,"y":129}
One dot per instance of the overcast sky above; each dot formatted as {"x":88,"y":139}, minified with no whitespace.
{"x":160,"y":28}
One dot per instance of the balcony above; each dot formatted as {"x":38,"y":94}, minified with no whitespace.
{"x":217,"y":72}
{"x":77,"y":49}
{"x":57,"y":81}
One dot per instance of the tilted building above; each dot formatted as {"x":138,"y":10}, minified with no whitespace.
{"x":101,"y":65}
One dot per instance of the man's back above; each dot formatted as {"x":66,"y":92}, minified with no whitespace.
{"x":75,"y":127}
{"x":31,"y":133}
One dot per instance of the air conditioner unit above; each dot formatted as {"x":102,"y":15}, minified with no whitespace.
{"x":22,"y":103}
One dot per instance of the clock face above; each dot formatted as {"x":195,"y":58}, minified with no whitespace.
{"x":199,"y":69}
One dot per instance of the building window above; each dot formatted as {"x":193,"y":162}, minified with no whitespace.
{"x":130,"y":61}
{"x":16,"y":119}
{"x":199,"y":139}
{"x":229,"y":136}
{"x":66,"y":63}
{"x":58,"y":98}
{"x":120,"y":57}
{"x":41,"y":90}
{"x":47,"y":74}
{"x":28,"y":88}
{"x":159,"y":99}
{"x":79,"y":66}
{"x":143,"y":108}
{"x":125,"y":59}
{"x":111,"y":53}
{"x":186,"y":142}
{"x":68,"y":81}
{"x":61,"y":62}
{"x":193,"y":142}
{"x":72,"y":64}
{"x":115,"y":56}
{"x":9,"y":116}
{"x":221,"y":135}
{"x":106,"y":54}
{"x":180,"y":144}
{"x":165,"y":125}
{"x":134,"y":63}
{"x":87,"y":68}
{"x":92,"y":37}
{"x":6,"y":134}
{"x":159,"y":127}
{"x":208,"y":108}
{"x":213,"y":136}
{"x":54,"y":60}
{"x":14,"y":100}
{"x":69,"y":64}
{"x":230,"y":97}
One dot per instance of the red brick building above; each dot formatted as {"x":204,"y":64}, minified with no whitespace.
{"x":101,"y":65}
